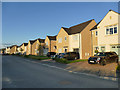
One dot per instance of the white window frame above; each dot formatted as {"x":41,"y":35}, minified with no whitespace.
{"x":109,"y":27}
{"x":95,"y":33}
{"x":59,"y":40}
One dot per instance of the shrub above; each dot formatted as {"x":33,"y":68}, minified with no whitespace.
{"x":61,"y":60}
{"x":26,"y":56}
{"x":118,"y":68}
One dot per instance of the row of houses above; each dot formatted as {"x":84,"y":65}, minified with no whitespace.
{"x":85,"y":38}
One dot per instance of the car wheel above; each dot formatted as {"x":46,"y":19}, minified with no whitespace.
{"x":89,"y":62}
{"x":103,"y":62}
{"x":75,"y":58}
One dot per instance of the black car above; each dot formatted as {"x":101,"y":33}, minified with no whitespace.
{"x":103,"y":58}
{"x":71,"y":55}
{"x":58,"y":55}
{"x":49,"y":54}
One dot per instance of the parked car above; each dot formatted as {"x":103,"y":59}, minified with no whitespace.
{"x":71,"y":55}
{"x":103,"y":58}
{"x":49,"y":54}
{"x":59,"y":55}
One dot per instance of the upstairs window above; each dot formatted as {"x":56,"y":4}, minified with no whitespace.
{"x":111,"y":30}
{"x":115,"y":29}
{"x":65,"y":38}
{"x":60,"y":40}
{"x":107,"y":31}
{"x":96,"y":33}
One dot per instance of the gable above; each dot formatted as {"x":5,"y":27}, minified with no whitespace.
{"x":62,"y":32}
{"x":111,"y":18}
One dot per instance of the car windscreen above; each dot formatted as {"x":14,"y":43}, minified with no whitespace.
{"x":100,"y":54}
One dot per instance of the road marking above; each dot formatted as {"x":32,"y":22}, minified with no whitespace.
{"x":102,"y":77}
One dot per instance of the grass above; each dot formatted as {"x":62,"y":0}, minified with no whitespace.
{"x":65,"y":61}
{"x":36,"y":57}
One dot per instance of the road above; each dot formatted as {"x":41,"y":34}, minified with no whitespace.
{"x":19,"y":72}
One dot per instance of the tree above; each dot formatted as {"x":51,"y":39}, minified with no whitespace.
{"x":40,"y":49}
{"x":21,"y":49}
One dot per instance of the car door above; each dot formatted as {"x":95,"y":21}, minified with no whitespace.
{"x":112,"y":57}
{"x":108,"y":58}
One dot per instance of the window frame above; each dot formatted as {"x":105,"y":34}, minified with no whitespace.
{"x":108,"y":30}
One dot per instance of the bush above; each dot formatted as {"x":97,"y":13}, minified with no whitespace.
{"x":61,"y":60}
{"x":26,"y":56}
{"x":118,"y":68}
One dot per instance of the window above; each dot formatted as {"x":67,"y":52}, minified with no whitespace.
{"x":113,"y":46}
{"x":107,"y":31}
{"x":59,"y":40}
{"x":96,"y":48}
{"x":46,"y":43}
{"x":65,"y":50}
{"x":111,"y":30}
{"x":118,"y":46}
{"x":76,"y":49}
{"x":65,"y":38}
{"x":96,"y":33}
{"x":115,"y":29}
{"x":75,"y":37}
{"x":102,"y":48}
{"x":55,"y":47}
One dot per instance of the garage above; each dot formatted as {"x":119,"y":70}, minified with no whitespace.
{"x":115,"y":48}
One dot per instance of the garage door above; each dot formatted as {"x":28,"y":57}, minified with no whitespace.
{"x":115,"y":48}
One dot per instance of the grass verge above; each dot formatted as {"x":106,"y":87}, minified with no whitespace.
{"x":65,"y":61}
{"x":35,"y":57}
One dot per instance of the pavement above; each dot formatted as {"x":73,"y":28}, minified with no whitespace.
{"x":18,"y":72}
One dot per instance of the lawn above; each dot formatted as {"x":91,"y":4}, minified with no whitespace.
{"x":69,"y":61}
{"x":36,"y":57}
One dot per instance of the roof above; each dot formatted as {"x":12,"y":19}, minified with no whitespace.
{"x":77,"y":28}
{"x":41,"y":40}
{"x":52,"y":37}
{"x":12,"y":46}
{"x":95,"y":27}
{"x":32,"y":41}
{"x":25,"y":44}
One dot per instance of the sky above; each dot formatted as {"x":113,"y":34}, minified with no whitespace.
{"x":24,"y":21}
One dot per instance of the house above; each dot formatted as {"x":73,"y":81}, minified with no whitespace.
{"x":37,"y":46}
{"x":76,"y":39}
{"x":29,"y":47}
{"x":13,"y":49}
{"x":7,"y":50}
{"x":106,"y":33}
{"x":2,"y":51}
{"x":18,"y":49}
{"x":23,"y":48}
{"x":50,"y":44}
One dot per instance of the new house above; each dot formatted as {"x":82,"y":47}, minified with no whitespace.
{"x":105,"y":35}
{"x":37,"y":46}
{"x":13,"y":49}
{"x":29,"y":47}
{"x":23,"y":48}
{"x":7,"y":50}
{"x":76,"y":39}
{"x":50,"y":44}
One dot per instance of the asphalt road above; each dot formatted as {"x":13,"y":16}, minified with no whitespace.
{"x":19,"y":72}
